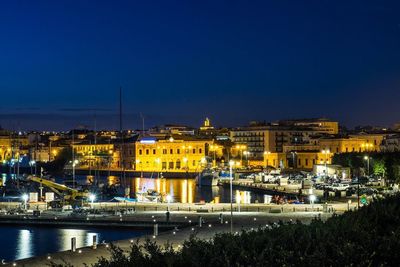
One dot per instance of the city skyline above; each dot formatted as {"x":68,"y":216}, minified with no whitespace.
{"x":180,"y":62}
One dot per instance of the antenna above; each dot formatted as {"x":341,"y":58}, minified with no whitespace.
{"x":120,"y":109}
{"x":141,"y":115}
{"x":123,"y":175}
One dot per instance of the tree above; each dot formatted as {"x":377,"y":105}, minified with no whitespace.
{"x":58,"y":164}
{"x":379,"y":167}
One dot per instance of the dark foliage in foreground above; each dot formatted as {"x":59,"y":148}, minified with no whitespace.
{"x":368,"y":237}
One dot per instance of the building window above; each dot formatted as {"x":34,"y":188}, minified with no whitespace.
{"x":164,"y":165}
{"x":306,"y":162}
{"x":164,"y":151}
{"x":171,"y":151}
{"x":140,"y":152}
{"x":194,"y":151}
{"x":171,"y":165}
{"x":200,"y":150}
{"x":178,"y":164}
{"x":178,"y":151}
{"x":147,"y":151}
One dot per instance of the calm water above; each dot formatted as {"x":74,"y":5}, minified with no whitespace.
{"x":25,"y":242}
{"x":181,"y":190}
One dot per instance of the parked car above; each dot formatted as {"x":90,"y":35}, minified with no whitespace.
{"x":338,"y":187}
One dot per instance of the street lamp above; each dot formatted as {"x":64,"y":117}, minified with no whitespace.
{"x":92,"y":198}
{"x":231,"y":164}
{"x":367,"y":159}
{"x":326,"y":153}
{"x":312,"y":200}
{"x":25,"y":198}
{"x":74,"y":163}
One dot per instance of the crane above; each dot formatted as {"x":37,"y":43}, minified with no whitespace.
{"x":68,"y":195}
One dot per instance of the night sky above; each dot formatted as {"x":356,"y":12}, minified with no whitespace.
{"x":62,"y":62}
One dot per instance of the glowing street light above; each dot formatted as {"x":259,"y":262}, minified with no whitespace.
{"x":92,"y":198}
{"x":367,"y":158}
{"x":231,"y":164}
{"x":25,"y":198}
{"x":312,"y":200}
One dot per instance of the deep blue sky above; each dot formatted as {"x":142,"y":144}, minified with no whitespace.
{"x":179,"y":61}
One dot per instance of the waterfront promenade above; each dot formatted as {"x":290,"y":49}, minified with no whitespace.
{"x":183,"y":221}
{"x":211,"y":225}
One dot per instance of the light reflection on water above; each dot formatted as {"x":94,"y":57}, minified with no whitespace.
{"x":24,"y":247}
{"x":184,"y":190}
{"x":25,"y":242}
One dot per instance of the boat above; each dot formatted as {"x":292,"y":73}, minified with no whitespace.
{"x":207,"y":178}
{"x":148,"y":196}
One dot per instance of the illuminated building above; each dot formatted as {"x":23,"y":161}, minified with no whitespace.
{"x":177,"y":154}
{"x":352,"y":143}
{"x":391,"y":143}
{"x":95,"y":155}
{"x":320,"y":125}
{"x":44,"y":154}
{"x":13,"y":146}
{"x":271,"y":138}
{"x":206,"y":125}
{"x":297,"y":159}
{"x":321,"y":150}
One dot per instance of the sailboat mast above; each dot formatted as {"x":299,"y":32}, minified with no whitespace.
{"x":122,"y":138}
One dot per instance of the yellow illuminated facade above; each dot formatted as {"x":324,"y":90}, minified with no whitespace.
{"x":45,"y":154}
{"x":298,"y":159}
{"x":95,"y":155}
{"x":12,"y":147}
{"x":206,"y":125}
{"x":170,"y":155}
{"x":354,"y":143}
